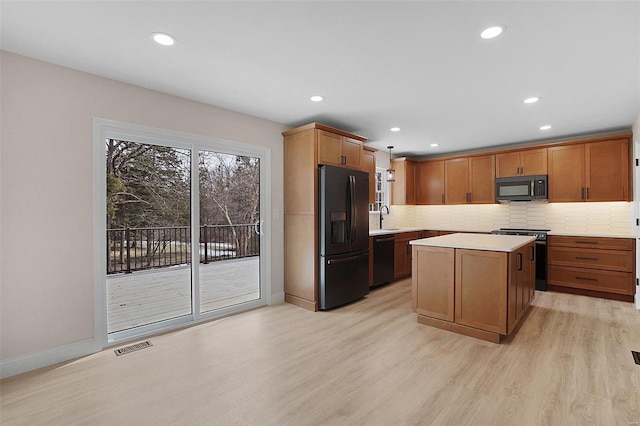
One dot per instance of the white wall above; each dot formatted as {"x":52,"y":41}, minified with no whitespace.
{"x":46,"y":269}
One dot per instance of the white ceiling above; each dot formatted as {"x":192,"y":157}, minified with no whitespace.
{"x":418,"y":65}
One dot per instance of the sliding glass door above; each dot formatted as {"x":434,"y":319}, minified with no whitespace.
{"x":184,"y":232}
{"x":148,"y":234}
{"x":229,"y":270}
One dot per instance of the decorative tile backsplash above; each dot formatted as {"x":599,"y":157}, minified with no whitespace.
{"x":581,"y":218}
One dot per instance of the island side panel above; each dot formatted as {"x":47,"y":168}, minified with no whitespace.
{"x":481,"y":289}
{"x":433,"y":282}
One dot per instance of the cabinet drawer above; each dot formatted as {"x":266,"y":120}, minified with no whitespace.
{"x":407,"y":236}
{"x":590,"y":279}
{"x":428,"y":234}
{"x":592,"y":242}
{"x":613,"y":260}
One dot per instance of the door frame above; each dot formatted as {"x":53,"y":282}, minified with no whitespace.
{"x":110,"y":129}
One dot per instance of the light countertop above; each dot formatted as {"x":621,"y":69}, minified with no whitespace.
{"x":505,"y":243}
{"x":374,"y":232}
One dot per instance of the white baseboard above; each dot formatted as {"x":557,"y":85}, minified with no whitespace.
{"x":277,"y":298}
{"x":22,"y":364}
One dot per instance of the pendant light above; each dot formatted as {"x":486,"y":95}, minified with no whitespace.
{"x":391,"y":173}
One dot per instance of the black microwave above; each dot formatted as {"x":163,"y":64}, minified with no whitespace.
{"x":521,"y":188}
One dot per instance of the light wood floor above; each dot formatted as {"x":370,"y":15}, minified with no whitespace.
{"x":150,"y":296}
{"x":366,"y":363}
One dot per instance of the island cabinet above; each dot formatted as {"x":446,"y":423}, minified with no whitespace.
{"x":592,"y":266}
{"x":305,"y":148}
{"x":594,"y":171}
{"x":473,"y":284}
{"x":430,"y":182}
{"x":469,"y":180}
{"x":403,"y":189}
{"x":369,"y":166}
{"x":522,"y":163}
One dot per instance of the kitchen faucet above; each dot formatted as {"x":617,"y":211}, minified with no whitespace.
{"x":380,"y":210}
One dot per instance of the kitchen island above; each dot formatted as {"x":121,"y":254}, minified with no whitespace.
{"x":473,"y":284}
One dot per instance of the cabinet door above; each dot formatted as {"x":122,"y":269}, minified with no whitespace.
{"x":508,"y":164}
{"x":530,"y":274}
{"x":566,"y":173}
{"x":433,"y":282}
{"x":430,"y":182}
{"x":482,"y":184}
{"x":456,"y":180}
{"x":481,"y":289}
{"x":403,"y":190}
{"x":351,"y":153}
{"x":607,"y":170}
{"x":533,"y":162}
{"x":329,"y":148}
{"x":410,"y":182}
{"x":369,"y":166}
{"x":400,"y":259}
{"x":370,"y":261}
{"x":521,"y":288}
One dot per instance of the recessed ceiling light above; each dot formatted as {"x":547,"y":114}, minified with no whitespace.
{"x":433,"y":145}
{"x":395,"y":129}
{"x":163,"y":39}
{"x":545,"y":127}
{"x":317,"y":98}
{"x":531,"y":100}
{"x":492,"y":32}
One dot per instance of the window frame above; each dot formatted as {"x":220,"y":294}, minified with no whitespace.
{"x":110,"y":129}
{"x":382,"y":193}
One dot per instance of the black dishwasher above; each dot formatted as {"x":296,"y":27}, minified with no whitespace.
{"x":383,"y":256}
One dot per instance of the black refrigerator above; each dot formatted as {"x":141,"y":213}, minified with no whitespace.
{"x":343,"y":236}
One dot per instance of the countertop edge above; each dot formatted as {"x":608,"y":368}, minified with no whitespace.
{"x":376,"y":232}
{"x":445,"y":241}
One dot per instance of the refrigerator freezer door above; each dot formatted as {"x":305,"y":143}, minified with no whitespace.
{"x":343,"y":279}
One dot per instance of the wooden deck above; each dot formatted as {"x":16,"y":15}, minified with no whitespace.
{"x":146,"y":297}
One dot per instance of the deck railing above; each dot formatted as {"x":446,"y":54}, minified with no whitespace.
{"x":136,"y":249}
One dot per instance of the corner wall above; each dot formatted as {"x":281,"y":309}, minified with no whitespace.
{"x":46,"y":271}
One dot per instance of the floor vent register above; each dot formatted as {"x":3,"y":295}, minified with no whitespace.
{"x":132,"y":348}
{"x":636,"y":357}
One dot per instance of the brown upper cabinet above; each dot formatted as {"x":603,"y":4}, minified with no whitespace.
{"x":369,"y":166}
{"x":470,"y":180}
{"x":403,"y":190}
{"x":522,"y":163}
{"x":339,"y":150}
{"x":594,"y":171}
{"x":430,"y":182}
